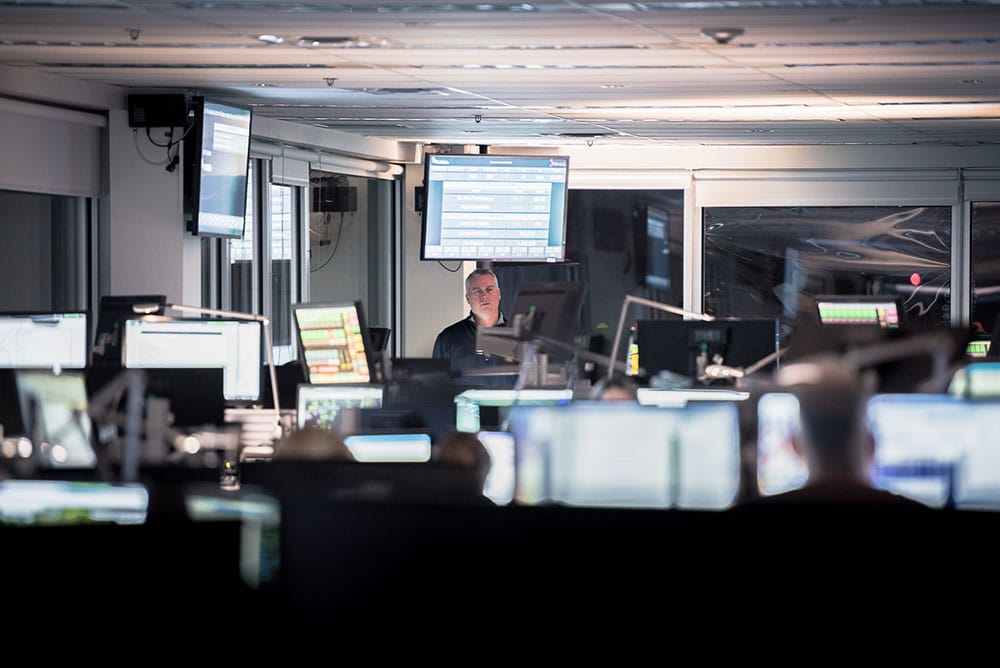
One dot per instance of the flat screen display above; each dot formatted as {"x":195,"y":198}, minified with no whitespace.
{"x":233,"y":345}
{"x":934,"y":448}
{"x":53,"y":414}
{"x":215,"y":173}
{"x":334,"y":343}
{"x":884,"y":312}
{"x":43,"y":340}
{"x":319,"y":405}
{"x":619,"y":454}
{"x":496,"y":208}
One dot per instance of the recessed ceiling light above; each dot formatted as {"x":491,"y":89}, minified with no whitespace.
{"x":271,"y":39}
{"x":973,"y":82}
{"x":722,"y":35}
{"x":613,"y":85}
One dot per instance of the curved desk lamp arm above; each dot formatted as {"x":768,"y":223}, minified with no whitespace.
{"x":631,"y":299}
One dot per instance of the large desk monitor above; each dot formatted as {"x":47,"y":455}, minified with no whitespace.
{"x":333,"y":342}
{"x":233,"y":345}
{"x":935,"y":448}
{"x":685,"y":346}
{"x":553,"y":308}
{"x":114,"y":311}
{"x":620,"y":454}
{"x":469,"y":404}
{"x":50,"y":340}
{"x":320,"y":405}
{"x":51,"y":411}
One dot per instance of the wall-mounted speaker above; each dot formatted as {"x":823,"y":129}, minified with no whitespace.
{"x":328,"y":198}
{"x":157,"y":111}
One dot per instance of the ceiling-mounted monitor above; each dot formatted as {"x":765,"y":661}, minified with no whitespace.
{"x":216,"y":161}
{"x":495,"y":208}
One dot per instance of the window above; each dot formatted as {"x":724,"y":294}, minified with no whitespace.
{"x":764,"y":261}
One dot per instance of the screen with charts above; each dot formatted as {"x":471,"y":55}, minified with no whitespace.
{"x":620,"y":454}
{"x":234,"y":345}
{"x":53,"y":415}
{"x":884,"y":312}
{"x":319,"y":405}
{"x":334,"y":343}
{"x":44,"y":340}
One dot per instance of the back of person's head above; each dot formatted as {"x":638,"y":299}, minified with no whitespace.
{"x":833,"y":435}
{"x":313,"y":443}
{"x":615,"y":388}
{"x":465,"y":450}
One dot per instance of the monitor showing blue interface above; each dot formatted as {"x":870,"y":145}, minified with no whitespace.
{"x":620,"y":454}
{"x":495,"y":207}
{"x":48,"y":340}
{"x":390,"y":447}
{"x":234,"y":345}
{"x":934,"y":448}
{"x":320,"y":405}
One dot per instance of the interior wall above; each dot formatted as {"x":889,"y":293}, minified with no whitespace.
{"x":433,"y":293}
{"x":150,"y":252}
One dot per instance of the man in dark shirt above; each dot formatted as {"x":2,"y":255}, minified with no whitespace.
{"x":833,"y":439}
{"x":457,"y":342}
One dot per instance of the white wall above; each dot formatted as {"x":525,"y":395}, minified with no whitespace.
{"x":432,"y":296}
{"x":149,"y":250}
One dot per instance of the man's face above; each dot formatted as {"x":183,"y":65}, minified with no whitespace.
{"x":484,"y":299}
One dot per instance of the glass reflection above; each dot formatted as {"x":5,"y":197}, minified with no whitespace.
{"x":769,"y":261}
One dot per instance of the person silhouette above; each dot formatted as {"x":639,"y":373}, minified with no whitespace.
{"x":833,"y":438}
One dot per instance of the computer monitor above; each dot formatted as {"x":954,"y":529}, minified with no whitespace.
{"x":66,"y":502}
{"x":935,"y":448}
{"x":51,"y":411}
{"x":233,"y":345}
{"x":44,"y":340}
{"x":621,"y":454}
{"x":320,"y":405}
{"x":333,"y":342}
{"x":390,"y":447}
{"x":682,"y":346}
{"x":554,"y":308}
{"x":877,"y":311}
{"x":500,"y":485}
{"x":111,"y":316}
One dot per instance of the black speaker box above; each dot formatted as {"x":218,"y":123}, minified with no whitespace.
{"x":326,"y":199}
{"x":157,"y":111}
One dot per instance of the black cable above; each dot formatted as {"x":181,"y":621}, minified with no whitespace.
{"x":340,"y":234}
{"x":168,"y":145}
{"x":451,"y":270}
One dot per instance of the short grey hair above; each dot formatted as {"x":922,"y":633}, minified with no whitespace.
{"x":479,"y":272}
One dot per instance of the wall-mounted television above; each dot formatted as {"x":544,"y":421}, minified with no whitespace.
{"x":494,"y":208}
{"x":216,"y":160}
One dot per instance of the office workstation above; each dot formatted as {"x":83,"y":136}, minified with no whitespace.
{"x":650,"y":209}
